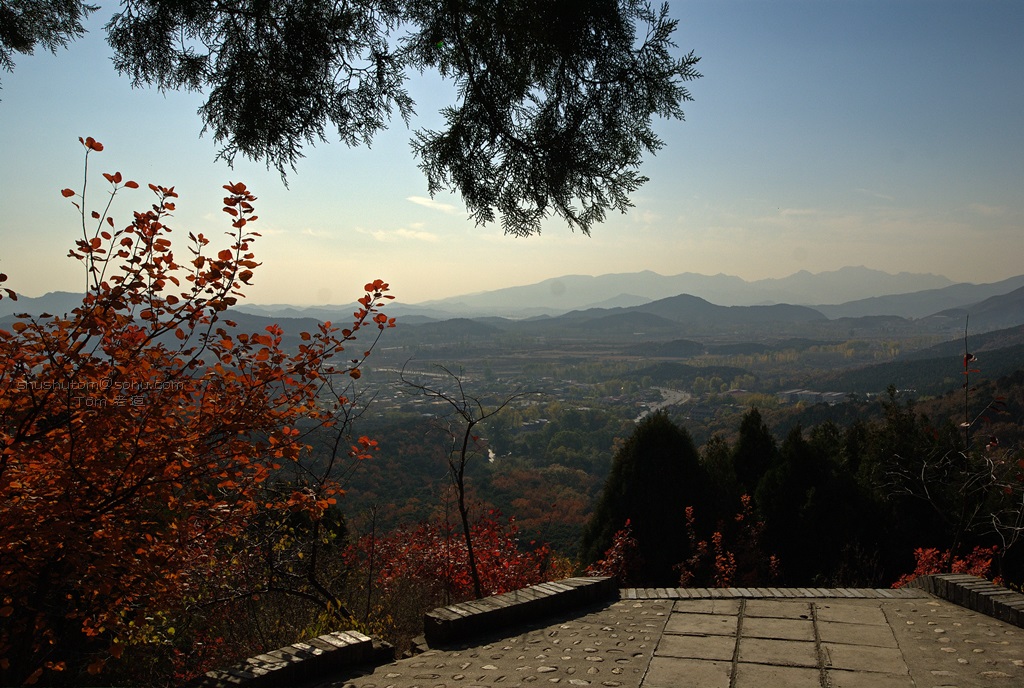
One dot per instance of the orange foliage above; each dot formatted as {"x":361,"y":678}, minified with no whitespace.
{"x":140,"y":433}
{"x":724,"y":565}
{"x":434,"y":555}
{"x":621,"y":560}
{"x":930,"y":561}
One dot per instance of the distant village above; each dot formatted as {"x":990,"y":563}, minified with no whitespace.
{"x":809,"y":396}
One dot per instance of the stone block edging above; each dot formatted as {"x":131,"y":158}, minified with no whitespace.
{"x":769,"y":593}
{"x":295,"y":664}
{"x":465,"y":620}
{"x":975,"y":593}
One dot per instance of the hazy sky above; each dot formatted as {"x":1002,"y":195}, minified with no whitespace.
{"x":888,"y":134}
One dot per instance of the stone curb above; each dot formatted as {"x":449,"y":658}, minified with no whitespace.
{"x":768,"y":593}
{"x":462,"y":621}
{"x":297,"y":663}
{"x":975,"y":593}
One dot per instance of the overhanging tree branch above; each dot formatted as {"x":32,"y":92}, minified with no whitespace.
{"x":554,"y":99}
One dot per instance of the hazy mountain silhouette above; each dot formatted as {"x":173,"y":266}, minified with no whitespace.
{"x":54,"y":302}
{"x":922,"y":303}
{"x":686,"y":308}
{"x":687,"y":297}
{"x":1004,"y":310}
{"x":676,"y":314}
{"x":579,"y":292}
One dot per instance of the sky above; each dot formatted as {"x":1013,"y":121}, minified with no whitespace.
{"x":825,"y":133}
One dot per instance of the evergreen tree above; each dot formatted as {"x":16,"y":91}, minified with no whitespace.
{"x":724,"y":490}
{"x":754,"y":452}
{"x":789,"y":499}
{"x":654,"y":477}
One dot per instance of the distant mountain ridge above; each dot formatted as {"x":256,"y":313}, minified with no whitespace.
{"x":685,"y":308}
{"x":922,"y":303}
{"x":576,"y":292}
{"x":906,"y":295}
{"x":995,"y":312}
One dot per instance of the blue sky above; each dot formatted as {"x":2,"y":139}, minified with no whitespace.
{"x":823,"y":134}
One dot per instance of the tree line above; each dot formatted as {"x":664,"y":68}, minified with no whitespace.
{"x":858,"y":505}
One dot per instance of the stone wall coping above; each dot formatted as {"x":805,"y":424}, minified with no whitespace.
{"x":458,"y":622}
{"x":975,"y":593}
{"x":297,"y":663}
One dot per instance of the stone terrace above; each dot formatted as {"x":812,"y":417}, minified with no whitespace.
{"x":589,"y":633}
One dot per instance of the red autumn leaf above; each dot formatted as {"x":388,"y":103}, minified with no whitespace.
{"x":91,"y":143}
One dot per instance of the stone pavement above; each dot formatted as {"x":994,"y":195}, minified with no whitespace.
{"x":731,"y":638}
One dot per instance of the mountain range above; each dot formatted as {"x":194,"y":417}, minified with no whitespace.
{"x":851,"y":292}
{"x":647,"y":300}
{"x":574,"y":292}
{"x":560,"y":295}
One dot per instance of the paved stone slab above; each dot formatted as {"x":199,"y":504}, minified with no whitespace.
{"x":715,"y":647}
{"x":856,"y":633}
{"x":702,"y":624}
{"x":884,"y":660}
{"x":780,"y":609}
{"x":856,"y":679}
{"x":782,"y":629}
{"x":778,"y":652}
{"x":767,"y":675}
{"x":670,"y":672}
{"x":700,"y":606}
{"x":850,"y":613}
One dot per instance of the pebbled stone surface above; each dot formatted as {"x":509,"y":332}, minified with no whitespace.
{"x":947,"y":645}
{"x":609,"y":646}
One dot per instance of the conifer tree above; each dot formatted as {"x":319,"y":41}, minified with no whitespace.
{"x":754,"y":453}
{"x":654,"y":477}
